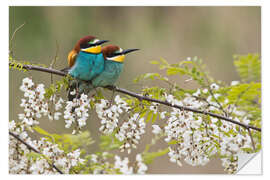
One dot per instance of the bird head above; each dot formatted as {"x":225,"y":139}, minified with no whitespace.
{"x":88,"y":44}
{"x":115,"y":53}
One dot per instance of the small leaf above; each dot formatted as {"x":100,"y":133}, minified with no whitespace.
{"x":149,"y":116}
{"x":154,"y":118}
{"x":150,"y":156}
{"x":164,"y":61}
{"x":154,"y":62}
{"x":172,"y":142}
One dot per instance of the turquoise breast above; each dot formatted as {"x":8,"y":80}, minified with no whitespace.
{"x":109,"y":76}
{"x":87,"y":66}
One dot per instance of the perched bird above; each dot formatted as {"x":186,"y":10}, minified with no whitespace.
{"x":85,"y":62}
{"x":113,"y":66}
{"x":114,"y":58}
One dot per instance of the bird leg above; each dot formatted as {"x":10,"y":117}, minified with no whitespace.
{"x":90,"y":87}
{"x":77,"y":89}
{"x":112,"y":87}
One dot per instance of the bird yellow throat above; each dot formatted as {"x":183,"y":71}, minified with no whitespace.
{"x":94,"y":50}
{"x":119,"y":58}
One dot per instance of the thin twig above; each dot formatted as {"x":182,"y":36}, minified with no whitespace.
{"x":56,"y":55}
{"x":210,"y":90}
{"x":141,"y":97}
{"x":33,"y":149}
{"x":184,"y":108}
{"x":52,"y":66}
{"x":13,"y":35}
{"x":253,"y":144}
{"x":42,"y":69}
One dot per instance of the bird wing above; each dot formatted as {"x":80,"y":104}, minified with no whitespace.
{"x":72,"y":55}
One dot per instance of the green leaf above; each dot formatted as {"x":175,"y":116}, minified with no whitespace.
{"x":67,"y":141}
{"x":148,"y":157}
{"x":248,"y":67}
{"x":245,"y":94}
{"x":154,"y":62}
{"x":164,"y":61}
{"x":109,"y":142}
{"x":172,"y":71}
{"x":151,"y":76}
{"x":34,"y":156}
{"x":74,"y":141}
{"x":175,"y":70}
{"x":149,"y":116}
{"x":143,"y":113}
{"x":172,"y":142}
{"x":154,"y":118}
{"x":43,"y":132}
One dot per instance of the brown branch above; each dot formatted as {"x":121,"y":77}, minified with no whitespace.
{"x":33,"y":149}
{"x":184,"y":108}
{"x":141,"y":97}
{"x":252,"y":141}
{"x":42,"y":69}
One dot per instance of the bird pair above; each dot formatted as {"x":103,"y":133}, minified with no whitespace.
{"x":94,"y":66}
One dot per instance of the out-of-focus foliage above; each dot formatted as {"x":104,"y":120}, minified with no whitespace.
{"x":248,"y":67}
{"x":67,"y":141}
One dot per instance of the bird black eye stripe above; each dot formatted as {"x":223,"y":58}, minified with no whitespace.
{"x":86,"y":45}
{"x":114,"y":54}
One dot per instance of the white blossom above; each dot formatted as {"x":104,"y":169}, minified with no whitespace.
{"x":156,"y":129}
{"x":122,"y":165}
{"x":19,"y":163}
{"x":197,"y":93}
{"x":142,"y":168}
{"x":233,"y":83}
{"x":109,"y":115}
{"x":214,"y":86}
{"x":77,"y":111}
{"x":130,"y":132}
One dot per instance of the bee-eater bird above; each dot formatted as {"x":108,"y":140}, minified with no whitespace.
{"x":86,"y":60}
{"x":114,"y":58}
{"x":113,"y":66}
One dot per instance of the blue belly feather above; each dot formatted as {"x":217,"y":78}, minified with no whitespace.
{"x":87,"y":66}
{"x":109,"y":76}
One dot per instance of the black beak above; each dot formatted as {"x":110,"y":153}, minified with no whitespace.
{"x":126,"y":51}
{"x":101,"y":42}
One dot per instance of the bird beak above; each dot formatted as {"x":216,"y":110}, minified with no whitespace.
{"x":101,"y":42}
{"x":126,"y":51}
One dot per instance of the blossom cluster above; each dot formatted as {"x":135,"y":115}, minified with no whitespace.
{"x":183,"y":128}
{"x":109,"y":114}
{"x":23,"y":160}
{"x":195,"y":140}
{"x":123,"y":165}
{"x":76,"y":111}
{"x":99,"y":163}
{"x":35,"y":105}
{"x":130,"y":132}
{"x":192,"y":138}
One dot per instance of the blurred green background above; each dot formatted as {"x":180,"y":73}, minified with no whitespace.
{"x":214,"y":34}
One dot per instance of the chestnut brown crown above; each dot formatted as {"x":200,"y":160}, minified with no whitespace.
{"x":109,"y":50}
{"x":83,"y":41}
